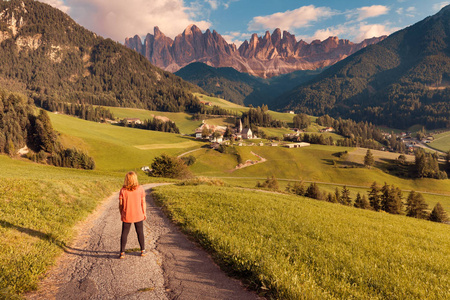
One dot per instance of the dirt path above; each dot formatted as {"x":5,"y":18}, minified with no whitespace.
{"x":174,"y":268}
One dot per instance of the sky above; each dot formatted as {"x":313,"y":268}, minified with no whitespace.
{"x":237,"y":20}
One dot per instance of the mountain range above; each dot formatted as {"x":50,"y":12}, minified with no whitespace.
{"x":267,"y":56}
{"x":402,"y":81}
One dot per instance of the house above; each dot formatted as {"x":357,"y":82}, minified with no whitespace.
{"x":327,"y":129}
{"x":297,"y":145}
{"x":247,"y":133}
{"x":207,"y":103}
{"x":132,"y":121}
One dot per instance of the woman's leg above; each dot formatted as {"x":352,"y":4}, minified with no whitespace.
{"x":123,"y":239}
{"x":140,"y":233}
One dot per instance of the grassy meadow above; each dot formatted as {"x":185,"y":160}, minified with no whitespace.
{"x":441,"y":141}
{"x":117,"y":148}
{"x":291,"y":247}
{"x":39,"y":207}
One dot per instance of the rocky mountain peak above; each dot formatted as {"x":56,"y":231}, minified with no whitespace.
{"x":254,"y":56}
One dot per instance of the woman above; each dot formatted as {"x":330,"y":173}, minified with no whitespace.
{"x":132,"y":210}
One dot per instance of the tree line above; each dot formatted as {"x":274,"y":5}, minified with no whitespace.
{"x":260,"y":117}
{"x":83,"y":111}
{"x":154,"y":124}
{"x":20,"y":127}
{"x":387,"y":198}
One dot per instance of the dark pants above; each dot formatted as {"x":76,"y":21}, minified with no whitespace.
{"x":139,"y":226}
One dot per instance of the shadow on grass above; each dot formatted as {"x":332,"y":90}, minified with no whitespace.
{"x":51,"y":239}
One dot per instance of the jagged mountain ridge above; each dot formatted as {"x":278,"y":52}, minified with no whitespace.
{"x":271,"y":55}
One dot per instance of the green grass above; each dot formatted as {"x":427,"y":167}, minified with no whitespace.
{"x":441,"y":141}
{"x":39,"y":206}
{"x":182,"y":120}
{"x":298,"y":248}
{"x":313,"y":163}
{"x":116,"y":148}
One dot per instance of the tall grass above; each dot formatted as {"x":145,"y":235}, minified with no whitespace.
{"x":39,"y":206}
{"x":297,"y":248}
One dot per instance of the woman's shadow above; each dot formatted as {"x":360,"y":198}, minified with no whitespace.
{"x":51,"y":239}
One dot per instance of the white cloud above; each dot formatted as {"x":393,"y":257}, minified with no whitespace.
{"x":213,"y":3}
{"x":291,"y":19}
{"x":236,"y":37}
{"x":354,"y":32}
{"x":408,"y":12}
{"x":368,"y":12}
{"x":118,"y":19}
{"x":440,"y":5}
{"x":59,"y":4}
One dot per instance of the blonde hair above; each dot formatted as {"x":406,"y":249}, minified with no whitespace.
{"x":131,"y":181}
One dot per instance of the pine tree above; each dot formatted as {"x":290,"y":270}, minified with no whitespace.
{"x":438,"y":214}
{"x":416,"y":206}
{"x":368,"y":159}
{"x":374,"y":197}
{"x":337,"y":196}
{"x":345,"y":196}
{"x":358,"y":201}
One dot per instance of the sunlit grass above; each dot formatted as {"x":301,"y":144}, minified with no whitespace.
{"x":298,"y":248}
{"x":39,"y":206}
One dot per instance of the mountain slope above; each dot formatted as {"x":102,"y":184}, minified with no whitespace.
{"x":58,"y":60}
{"x":242,"y":88}
{"x":266,"y":56}
{"x":398,"y":82}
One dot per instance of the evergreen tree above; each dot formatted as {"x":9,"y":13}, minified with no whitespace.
{"x":337,"y":196}
{"x":438,"y":214}
{"x":374,"y":197}
{"x":416,"y":206}
{"x":345,"y":196}
{"x":313,"y":191}
{"x":368,"y":159}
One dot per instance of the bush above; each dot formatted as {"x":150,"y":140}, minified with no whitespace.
{"x":270,"y":183}
{"x":189,"y":160}
{"x":169,"y":167}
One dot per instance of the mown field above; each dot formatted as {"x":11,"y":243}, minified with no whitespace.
{"x":116,"y":148}
{"x":39,"y":206}
{"x":291,"y":247}
{"x":441,"y":141}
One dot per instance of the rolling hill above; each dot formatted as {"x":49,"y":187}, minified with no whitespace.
{"x":52,"y":58}
{"x":399,"y":82}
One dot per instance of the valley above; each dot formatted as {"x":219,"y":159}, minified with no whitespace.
{"x":330,"y":182}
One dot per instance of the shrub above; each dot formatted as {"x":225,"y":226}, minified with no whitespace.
{"x":169,"y":167}
{"x":270,"y":183}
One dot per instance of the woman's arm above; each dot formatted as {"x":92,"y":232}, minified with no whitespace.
{"x":144,"y":205}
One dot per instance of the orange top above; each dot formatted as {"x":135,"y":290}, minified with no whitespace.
{"x":132,"y":205}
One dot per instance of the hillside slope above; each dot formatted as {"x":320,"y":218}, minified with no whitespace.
{"x":398,"y":82}
{"x":242,"y":88}
{"x":56,"y":59}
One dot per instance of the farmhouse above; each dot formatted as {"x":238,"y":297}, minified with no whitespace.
{"x":132,"y":121}
{"x":207,"y":103}
{"x":327,"y":129}
{"x":297,"y":145}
